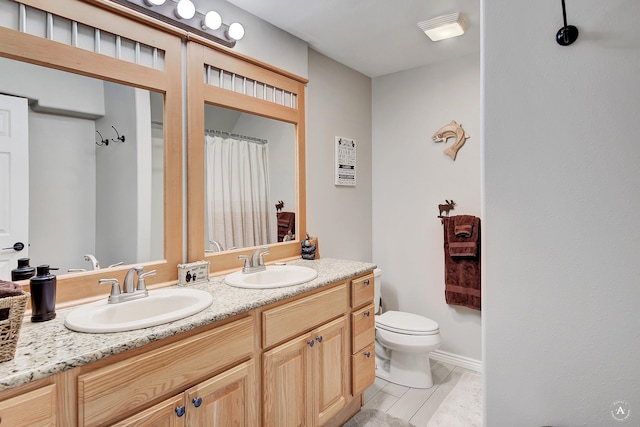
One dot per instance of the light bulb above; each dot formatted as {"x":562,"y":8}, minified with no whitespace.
{"x":185,"y":9}
{"x":154,"y":2}
{"x":236,"y":31}
{"x":212,"y":21}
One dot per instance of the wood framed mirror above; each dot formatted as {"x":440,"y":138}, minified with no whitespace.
{"x":237,"y":105}
{"x":134,"y":63}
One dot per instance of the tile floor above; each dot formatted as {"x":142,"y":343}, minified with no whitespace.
{"x":411,"y":404}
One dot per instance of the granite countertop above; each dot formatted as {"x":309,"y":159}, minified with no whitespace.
{"x":49,"y":347}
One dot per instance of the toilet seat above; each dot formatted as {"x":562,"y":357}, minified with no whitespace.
{"x":407,"y":323}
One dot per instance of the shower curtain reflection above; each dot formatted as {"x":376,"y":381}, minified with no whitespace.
{"x":237,"y":193}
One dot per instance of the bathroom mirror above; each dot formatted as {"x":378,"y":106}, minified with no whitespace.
{"x":236,"y":104}
{"x":89,"y":152}
{"x":137,"y":67}
{"x":250,"y":188}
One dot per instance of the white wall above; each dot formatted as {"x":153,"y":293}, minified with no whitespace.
{"x":412,"y":176}
{"x":561,"y":202}
{"x":262,"y":40}
{"x":338,"y":104}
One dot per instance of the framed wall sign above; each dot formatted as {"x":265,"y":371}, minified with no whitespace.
{"x":345,"y":156}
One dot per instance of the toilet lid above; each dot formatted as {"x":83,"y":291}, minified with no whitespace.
{"x":407,"y":323}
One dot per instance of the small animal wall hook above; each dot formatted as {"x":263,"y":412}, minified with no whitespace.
{"x":446,"y":207}
{"x":279,"y":205}
{"x":451,"y":130}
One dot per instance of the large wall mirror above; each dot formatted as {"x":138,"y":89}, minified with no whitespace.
{"x":246,"y":159}
{"x":98,"y":98}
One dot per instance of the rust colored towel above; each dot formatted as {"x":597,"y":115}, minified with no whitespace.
{"x":462,"y":234}
{"x":462,"y":273}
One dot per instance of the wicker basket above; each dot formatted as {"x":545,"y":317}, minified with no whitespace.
{"x":10,"y":328}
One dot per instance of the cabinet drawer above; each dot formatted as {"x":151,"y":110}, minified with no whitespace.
{"x":363,"y":366}
{"x":362,"y":290}
{"x":125,"y":386}
{"x":362,"y":328}
{"x":294,"y":318}
{"x":34,"y":408}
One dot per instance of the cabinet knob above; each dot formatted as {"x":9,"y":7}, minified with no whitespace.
{"x":310,"y":342}
{"x":367,"y":354}
{"x":180,"y":410}
{"x":319,"y":339}
{"x":366,"y":282}
{"x":367,"y":313}
{"x":197,"y":401}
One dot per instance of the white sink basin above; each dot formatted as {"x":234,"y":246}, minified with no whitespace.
{"x":161,"y":306}
{"x":274,"y":276}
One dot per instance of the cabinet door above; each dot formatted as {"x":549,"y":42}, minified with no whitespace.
{"x":331,"y":365}
{"x":33,"y":409}
{"x":287,"y":375}
{"x":228,"y":399}
{"x":164,"y":414}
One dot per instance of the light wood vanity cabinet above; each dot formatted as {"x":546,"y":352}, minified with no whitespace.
{"x":128,"y":386}
{"x":228,"y":399}
{"x":362,"y":334}
{"x":34,"y":408}
{"x":306,"y":378}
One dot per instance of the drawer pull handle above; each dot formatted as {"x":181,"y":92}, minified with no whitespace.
{"x":180,"y":410}
{"x":367,"y":354}
{"x":197,"y":401}
{"x":367,"y":313}
{"x":319,"y":339}
{"x":310,"y":342}
{"x":366,"y":282}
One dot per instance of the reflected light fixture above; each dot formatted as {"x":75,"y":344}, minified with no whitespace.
{"x":183,"y":14}
{"x":185,"y":9}
{"x":445,"y":26}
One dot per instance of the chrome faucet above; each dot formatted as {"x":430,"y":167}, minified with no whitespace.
{"x":256,"y":263}
{"x":127,"y":286}
{"x":129,"y":292}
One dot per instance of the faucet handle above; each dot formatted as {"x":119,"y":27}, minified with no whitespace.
{"x":265,"y":251}
{"x":142,"y":286}
{"x":115,"y":286}
{"x":247,"y":262}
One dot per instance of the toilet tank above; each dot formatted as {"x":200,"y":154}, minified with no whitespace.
{"x":377,"y":284}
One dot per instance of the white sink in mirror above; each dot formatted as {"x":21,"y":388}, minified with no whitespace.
{"x":161,"y":306}
{"x":273,"y":276}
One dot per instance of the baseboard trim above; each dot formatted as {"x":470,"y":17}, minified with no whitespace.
{"x":457,"y":360}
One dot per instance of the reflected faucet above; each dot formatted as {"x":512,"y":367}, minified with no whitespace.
{"x":94,"y":262}
{"x":216,"y":244}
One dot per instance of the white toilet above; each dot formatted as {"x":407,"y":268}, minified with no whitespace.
{"x":403,"y":344}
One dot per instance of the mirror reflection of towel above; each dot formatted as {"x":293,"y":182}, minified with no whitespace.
{"x":286,"y":224}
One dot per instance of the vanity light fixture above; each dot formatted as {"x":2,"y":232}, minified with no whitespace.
{"x":185,"y":9}
{"x":183,"y":14}
{"x":236,"y":31}
{"x":212,"y":20}
{"x":445,"y":26}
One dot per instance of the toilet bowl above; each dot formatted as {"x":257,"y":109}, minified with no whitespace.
{"x":403,"y":344}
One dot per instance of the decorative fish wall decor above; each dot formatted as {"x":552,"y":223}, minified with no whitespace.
{"x":451,"y":130}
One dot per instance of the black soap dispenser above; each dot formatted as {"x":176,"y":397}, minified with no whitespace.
{"x":24,"y":271}
{"x":43,"y":295}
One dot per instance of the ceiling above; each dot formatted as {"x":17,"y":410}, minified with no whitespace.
{"x":374,"y":37}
